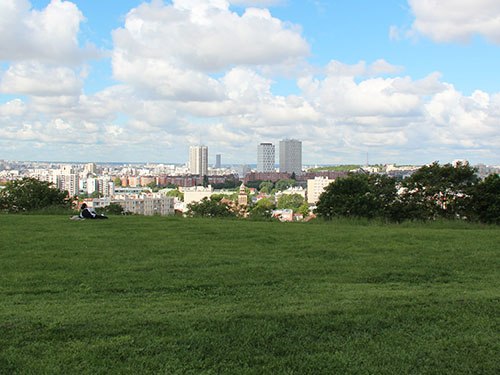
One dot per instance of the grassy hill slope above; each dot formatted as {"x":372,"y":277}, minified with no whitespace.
{"x":152,"y":295}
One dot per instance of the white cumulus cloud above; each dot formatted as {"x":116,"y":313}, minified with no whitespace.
{"x":34,"y":78}
{"x":13,"y":108}
{"x":49,"y":35}
{"x":169,"y":49}
{"x":456,"y":20}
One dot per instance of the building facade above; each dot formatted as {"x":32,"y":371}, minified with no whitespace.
{"x":315,"y":187}
{"x":148,"y":206}
{"x":243,"y":170}
{"x":70,"y":183}
{"x":265,"y":157}
{"x":218,"y":161}
{"x":91,"y":168}
{"x":291,"y":156}
{"x":197,"y":193}
{"x":198,"y":160}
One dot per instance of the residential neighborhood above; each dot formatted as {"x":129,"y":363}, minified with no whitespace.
{"x":168,"y":189}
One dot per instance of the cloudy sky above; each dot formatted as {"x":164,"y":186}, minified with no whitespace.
{"x":404,"y":81}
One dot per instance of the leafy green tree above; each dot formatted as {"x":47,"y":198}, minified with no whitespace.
{"x":291,"y":201}
{"x":253,"y":184}
{"x":485,"y":201}
{"x":153,"y":186}
{"x":96,"y":194}
{"x":175,"y":193}
{"x":205,"y":181}
{"x":30,"y":194}
{"x":304,"y":209}
{"x":233,"y":197}
{"x":358,"y":195}
{"x":117,"y":181}
{"x":216,"y":197}
{"x":266,"y":187}
{"x":281,"y":185}
{"x":262,"y":209}
{"x":266,"y":203}
{"x":210,"y":208}
{"x":228,"y":184}
{"x":170,"y":185}
{"x":437,"y":191}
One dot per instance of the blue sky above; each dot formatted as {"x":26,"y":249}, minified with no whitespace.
{"x":406,"y":81}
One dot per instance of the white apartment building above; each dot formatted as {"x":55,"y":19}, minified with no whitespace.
{"x":148,"y":206}
{"x":197,"y":193}
{"x":103,"y":185}
{"x":106,"y":187}
{"x":291,"y":156}
{"x":67,"y":169}
{"x":198,"y":160}
{"x":91,"y":168}
{"x":265,"y":157}
{"x":299,"y":190}
{"x":90,"y":185}
{"x":68,"y":182}
{"x":315,"y":187}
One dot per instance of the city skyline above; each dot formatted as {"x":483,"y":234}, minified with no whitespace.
{"x":406,"y":81}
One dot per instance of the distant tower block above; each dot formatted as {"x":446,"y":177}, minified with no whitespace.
{"x":91,"y":168}
{"x":265,"y":157}
{"x":198,"y":160}
{"x":218,"y":161}
{"x":291,"y":156}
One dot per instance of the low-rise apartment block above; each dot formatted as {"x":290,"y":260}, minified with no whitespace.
{"x":315,"y":187}
{"x":148,"y":206}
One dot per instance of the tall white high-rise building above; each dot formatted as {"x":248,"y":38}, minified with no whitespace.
{"x":198,"y":160}
{"x":291,"y":156}
{"x":70,"y":183}
{"x":265,"y":157}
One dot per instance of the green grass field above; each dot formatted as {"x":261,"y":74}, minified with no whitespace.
{"x":153,"y":295}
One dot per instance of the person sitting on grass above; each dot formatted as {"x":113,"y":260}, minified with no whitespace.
{"x":88,"y":213}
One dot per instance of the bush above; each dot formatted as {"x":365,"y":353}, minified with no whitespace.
{"x":291,"y":201}
{"x":358,"y":196}
{"x":210,"y":208}
{"x":30,"y":194}
{"x":485,"y":202}
{"x":262,"y":210}
{"x":111,"y":209}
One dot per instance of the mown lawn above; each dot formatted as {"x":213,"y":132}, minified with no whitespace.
{"x":152,"y":295}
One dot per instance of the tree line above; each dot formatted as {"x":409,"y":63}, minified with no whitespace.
{"x":432,"y":192}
